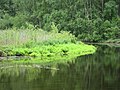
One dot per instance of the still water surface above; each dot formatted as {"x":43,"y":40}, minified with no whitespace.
{"x":100,"y":71}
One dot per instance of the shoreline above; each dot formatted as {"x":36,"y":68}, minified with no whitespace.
{"x":104,"y":43}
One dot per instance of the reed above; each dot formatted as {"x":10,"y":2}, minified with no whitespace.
{"x":21,"y":37}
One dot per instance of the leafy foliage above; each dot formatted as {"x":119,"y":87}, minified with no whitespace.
{"x":89,"y":20}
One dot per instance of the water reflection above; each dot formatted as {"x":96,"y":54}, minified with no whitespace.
{"x":100,"y":71}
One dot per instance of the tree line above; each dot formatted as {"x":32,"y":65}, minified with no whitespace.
{"x":89,"y":20}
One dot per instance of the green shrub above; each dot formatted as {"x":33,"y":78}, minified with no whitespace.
{"x":33,"y":54}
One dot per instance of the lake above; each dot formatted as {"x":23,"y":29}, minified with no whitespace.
{"x":99,"y":71}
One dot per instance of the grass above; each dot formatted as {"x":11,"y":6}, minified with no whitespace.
{"x":21,"y":37}
{"x":41,"y":46}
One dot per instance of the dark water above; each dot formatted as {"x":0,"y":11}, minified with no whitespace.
{"x":100,"y":71}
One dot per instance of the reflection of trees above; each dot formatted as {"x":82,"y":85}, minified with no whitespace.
{"x":92,"y":72}
{"x":101,"y":70}
{"x":18,"y":76}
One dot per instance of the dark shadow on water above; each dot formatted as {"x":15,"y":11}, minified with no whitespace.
{"x":100,"y":71}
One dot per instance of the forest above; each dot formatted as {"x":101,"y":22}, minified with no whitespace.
{"x":88,"y":20}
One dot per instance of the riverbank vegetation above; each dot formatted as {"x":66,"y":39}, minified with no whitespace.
{"x":41,"y":45}
{"x":88,"y":20}
{"x":50,"y":53}
{"x":116,"y":41}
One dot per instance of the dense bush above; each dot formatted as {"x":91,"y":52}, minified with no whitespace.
{"x":89,"y":20}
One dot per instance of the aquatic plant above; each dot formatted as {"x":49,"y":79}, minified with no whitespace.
{"x":30,"y":38}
